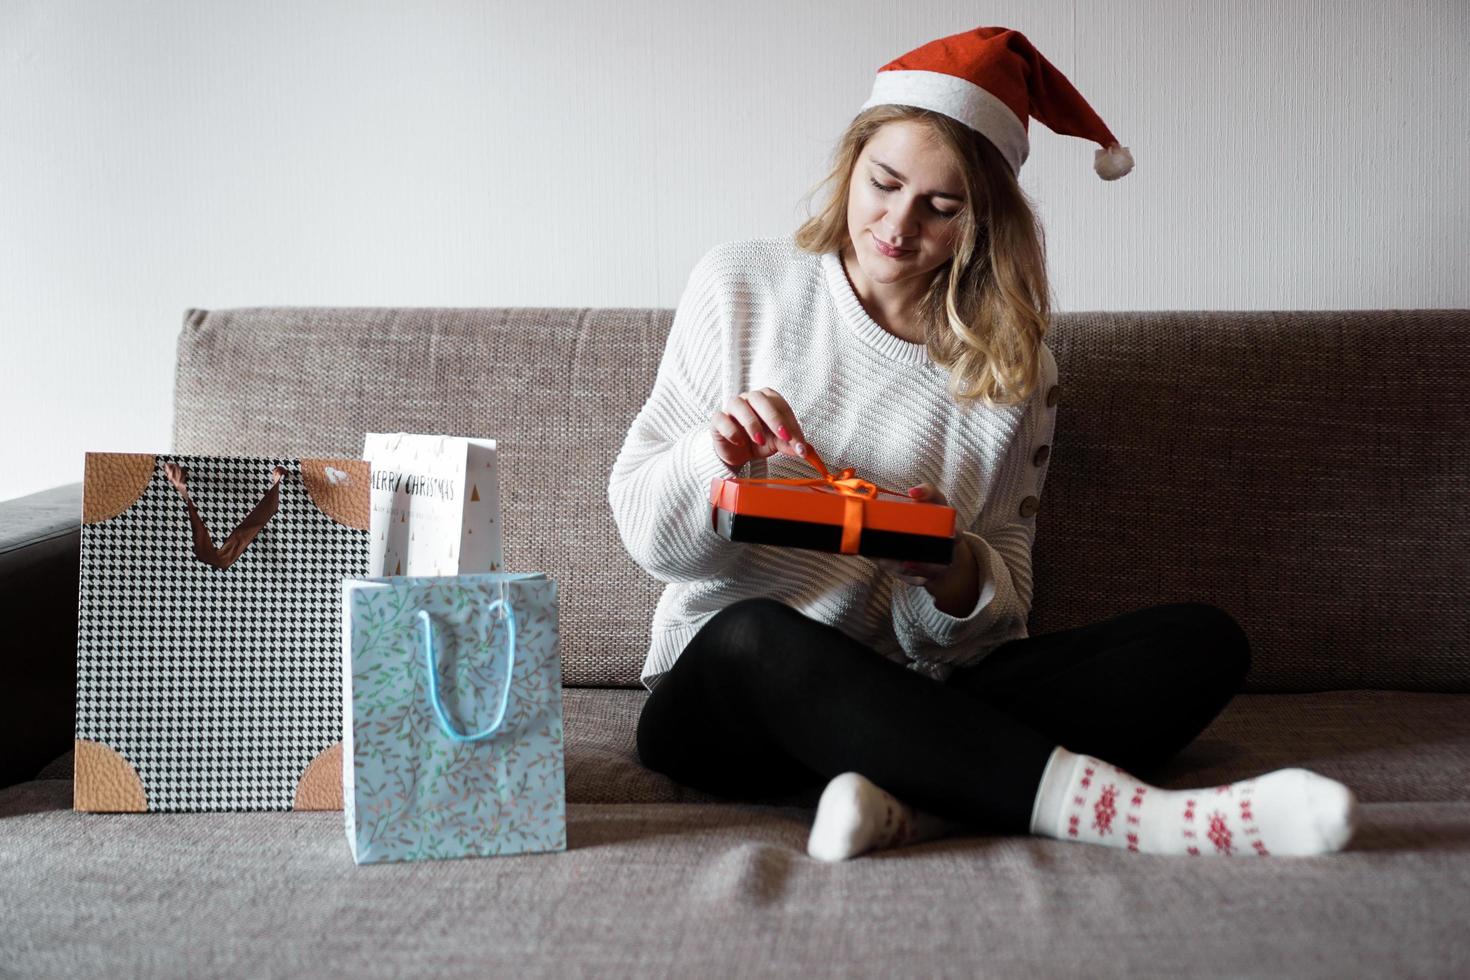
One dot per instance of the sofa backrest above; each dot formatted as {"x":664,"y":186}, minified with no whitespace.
{"x":1308,"y":472}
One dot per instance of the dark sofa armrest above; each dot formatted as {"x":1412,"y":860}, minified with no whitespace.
{"x":40,"y":548}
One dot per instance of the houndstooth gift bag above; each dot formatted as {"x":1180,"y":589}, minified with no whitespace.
{"x":209,"y":630}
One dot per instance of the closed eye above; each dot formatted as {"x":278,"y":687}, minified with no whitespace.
{"x":885,"y":189}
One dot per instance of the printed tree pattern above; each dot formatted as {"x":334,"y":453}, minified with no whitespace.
{"x":412,"y":791}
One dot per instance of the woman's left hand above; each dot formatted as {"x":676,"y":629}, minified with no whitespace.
{"x":922,"y":572}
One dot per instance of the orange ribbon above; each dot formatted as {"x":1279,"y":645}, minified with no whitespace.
{"x":855,"y":491}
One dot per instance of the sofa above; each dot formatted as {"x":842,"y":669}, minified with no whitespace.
{"x":1308,"y":472}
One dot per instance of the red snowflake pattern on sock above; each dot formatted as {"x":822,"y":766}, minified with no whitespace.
{"x":1104,"y":809}
{"x":1219,"y":833}
{"x":1079,"y":801}
{"x":1248,"y":824}
{"x":1135,"y":804}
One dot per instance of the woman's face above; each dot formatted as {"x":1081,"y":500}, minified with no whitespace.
{"x":905,"y":191}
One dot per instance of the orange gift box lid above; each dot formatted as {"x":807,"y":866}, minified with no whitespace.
{"x":826,"y":500}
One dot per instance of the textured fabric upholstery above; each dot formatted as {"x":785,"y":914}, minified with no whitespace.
{"x":1389,"y":746}
{"x":662,"y":881}
{"x":1307,"y":471}
{"x":712,"y":890}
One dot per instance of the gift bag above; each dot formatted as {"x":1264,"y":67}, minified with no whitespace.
{"x":208,"y":630}
{"x":436,"y":504}
{"x":452,"y":717}
{"x":837,"y":512}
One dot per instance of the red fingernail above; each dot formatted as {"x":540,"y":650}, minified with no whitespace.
{"x":783,"y":433}
{"x":913,"y":491}
{"x":760,"y":440}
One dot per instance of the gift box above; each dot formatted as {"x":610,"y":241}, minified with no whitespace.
{"x":838,"y":512}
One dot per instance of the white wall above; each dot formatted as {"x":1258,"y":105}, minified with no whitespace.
{"x":160,"y":156}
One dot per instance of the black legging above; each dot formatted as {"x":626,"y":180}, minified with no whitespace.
{"x":767,"y":702}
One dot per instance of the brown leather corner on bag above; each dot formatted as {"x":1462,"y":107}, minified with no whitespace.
{"x":105,"y":782}
{"x":113,"y":483}
{"x":345,"y":493}
{"x":320,"y":786}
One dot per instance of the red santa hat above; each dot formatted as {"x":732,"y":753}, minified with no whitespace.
{"x":992,"y":80}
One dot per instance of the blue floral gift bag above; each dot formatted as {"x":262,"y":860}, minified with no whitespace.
{"x":452,"y":717}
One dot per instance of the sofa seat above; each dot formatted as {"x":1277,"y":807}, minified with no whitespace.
{"x":1388,"y":746}
{"x":689,"y":890}
{"x":661,"y":880}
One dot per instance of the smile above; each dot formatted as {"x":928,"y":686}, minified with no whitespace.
{"x":886,"y":250}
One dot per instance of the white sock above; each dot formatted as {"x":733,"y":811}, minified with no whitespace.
{"x":856,"y":815}
{"x":1286,"y":812}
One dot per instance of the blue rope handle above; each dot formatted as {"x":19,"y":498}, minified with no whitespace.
{"x":431,"y":660}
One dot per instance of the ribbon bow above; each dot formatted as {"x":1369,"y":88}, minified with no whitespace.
{"x":855,"y":491}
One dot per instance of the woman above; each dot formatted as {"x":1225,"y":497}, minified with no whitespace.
{"x":902,"y":331}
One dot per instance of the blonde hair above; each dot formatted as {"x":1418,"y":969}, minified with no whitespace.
{"x":987,"y":309}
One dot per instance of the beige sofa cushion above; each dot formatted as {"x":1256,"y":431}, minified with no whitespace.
{"x":673,"y":890}
{"x":1309,"y":472}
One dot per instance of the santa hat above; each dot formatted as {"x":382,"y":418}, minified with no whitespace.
{"x":992,"y":80}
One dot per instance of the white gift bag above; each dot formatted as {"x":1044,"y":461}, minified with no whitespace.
{"x":435,"y":505}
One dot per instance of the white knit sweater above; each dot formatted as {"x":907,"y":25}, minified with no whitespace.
{"x":764,"y":313}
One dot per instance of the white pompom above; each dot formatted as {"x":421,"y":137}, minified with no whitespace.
{"x":1113,"y":162}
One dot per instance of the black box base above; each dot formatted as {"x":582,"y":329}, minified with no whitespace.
{"x":828,"y":537}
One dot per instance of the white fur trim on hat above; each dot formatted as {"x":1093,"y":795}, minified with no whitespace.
{"x":959,"y":99}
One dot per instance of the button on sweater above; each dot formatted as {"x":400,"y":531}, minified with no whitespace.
{"x":764,"y":313}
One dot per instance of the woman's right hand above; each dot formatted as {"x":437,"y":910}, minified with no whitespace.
{"x":753,"y":425}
